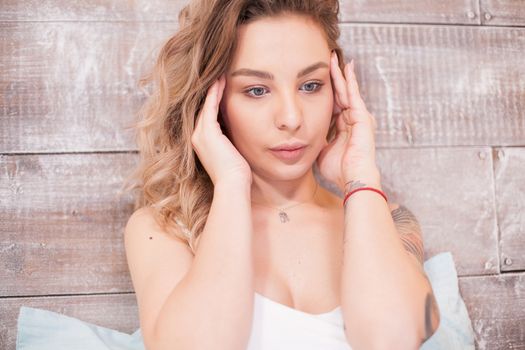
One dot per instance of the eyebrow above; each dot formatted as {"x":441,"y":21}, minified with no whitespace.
{"x":269,"y":76}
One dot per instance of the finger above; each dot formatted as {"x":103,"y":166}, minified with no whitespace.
{"x":338,"y":80}
{"x":356,"y":101}
{"x":342,"y":124}
{"x":336,"y":110}
{"x":357,"y":112}
{"x":205,"y":110}
{"x":337,"y":105}
{"x":337,"y":101}
{"x":210,"y":108}
{"x":222,"y":81}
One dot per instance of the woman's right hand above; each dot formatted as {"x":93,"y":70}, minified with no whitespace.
{"x":218,"y":155}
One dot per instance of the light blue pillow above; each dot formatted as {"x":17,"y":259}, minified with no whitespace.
{"x":455,"y":330}
{"x":40,"y":329}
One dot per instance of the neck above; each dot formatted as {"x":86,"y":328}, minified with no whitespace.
{"x":282,"y":193}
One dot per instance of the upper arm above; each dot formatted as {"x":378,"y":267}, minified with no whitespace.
{"x":157,"y":262}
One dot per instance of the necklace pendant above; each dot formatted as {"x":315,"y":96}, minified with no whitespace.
{"x":283,"y":216}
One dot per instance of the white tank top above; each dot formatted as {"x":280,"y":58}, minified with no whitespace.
{"x":276,"y":326}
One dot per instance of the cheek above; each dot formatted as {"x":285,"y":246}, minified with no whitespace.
{"x":239,"y":121}
{"x":324,"y":110}
{"x":231,"y":112}
{"x":322,"y":118}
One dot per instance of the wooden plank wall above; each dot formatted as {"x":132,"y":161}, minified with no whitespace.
{"x":445,"y":80}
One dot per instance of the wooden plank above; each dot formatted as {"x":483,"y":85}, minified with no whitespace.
{"x":62,"y":223}
{"x":90,"y":10}
{"x":59,"y":211}
{"x":441,"y":85}
{"x":412,"y":11}
{"x":64,"y":201}
{"x":503,"y":12}
{"x":115,"y":311}
{"x":80,"y":76}
{"x":509,"y":167}
{"x":496,"y":306}
{"x":451,"y":193}
{"x":426,"y":85}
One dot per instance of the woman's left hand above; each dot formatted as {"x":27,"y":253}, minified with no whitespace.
{"x":351,"y":155}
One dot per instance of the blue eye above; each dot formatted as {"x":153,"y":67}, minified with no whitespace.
{"x":258,"y":91}
{"x":317,"y":86}
{"x":257,"y":88}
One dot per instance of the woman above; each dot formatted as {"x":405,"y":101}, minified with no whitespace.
{"x":236,"y":246}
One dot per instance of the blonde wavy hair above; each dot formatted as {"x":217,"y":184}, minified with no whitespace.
{"x":169,"y":177}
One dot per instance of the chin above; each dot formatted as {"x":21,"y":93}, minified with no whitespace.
{"x":277,"y":170}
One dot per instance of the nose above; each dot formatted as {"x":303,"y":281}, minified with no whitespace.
{"x":290,"y":114}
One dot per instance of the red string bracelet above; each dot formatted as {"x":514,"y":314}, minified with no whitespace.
{"x":364,"y":188}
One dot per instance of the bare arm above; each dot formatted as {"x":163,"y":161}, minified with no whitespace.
{"x":210,"y":304}
{"x":387,"y":300}
{"x":410,"y":233}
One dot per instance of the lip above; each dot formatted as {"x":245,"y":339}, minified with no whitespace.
{"x":288,"y":146}
{"x":289,"y":154}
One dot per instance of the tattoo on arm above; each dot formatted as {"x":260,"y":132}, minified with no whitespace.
{"x":352,"y":185}
{"x":431,"y":316}
{"x":410,"y":231}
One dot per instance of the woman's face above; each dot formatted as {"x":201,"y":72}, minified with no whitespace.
{"x":278,"y":91}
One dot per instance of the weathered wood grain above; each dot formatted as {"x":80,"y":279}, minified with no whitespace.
{"x":68,"y":84}
{"x":60,"y":211}
{"x":495,"y":305}
{"x":509,"y":170}
{"x":412,"y":11}
{"x":503,"y":12}
{"x":62,"y":222}
{"x":426,"y":85}
{"x":451,"y":193}
{"x":441,"y":85}
{"x":72,"y":86}
{"x":90,"y":10}
{"x":115,"y":311}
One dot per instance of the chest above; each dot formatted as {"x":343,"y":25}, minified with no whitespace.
{"x":299,"y":263}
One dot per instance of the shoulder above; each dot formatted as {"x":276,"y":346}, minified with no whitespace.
{"x":157,"y":262}
{"x":144,"y":218}
{"x":140,"y":224}
{"x":143,"y":225}
{"x":140,"y":218}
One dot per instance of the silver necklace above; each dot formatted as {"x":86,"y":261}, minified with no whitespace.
{"x":283,"y":216}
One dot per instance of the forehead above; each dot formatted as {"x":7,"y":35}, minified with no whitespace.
{"x":282,"y":40}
